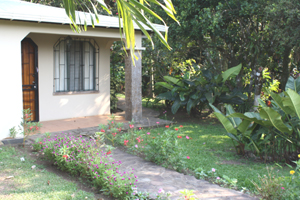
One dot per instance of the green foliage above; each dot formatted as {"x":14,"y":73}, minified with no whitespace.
{"x":29,"y":179}
{"x":270,"y":187}
{"x":277,"y":124}
{"x":162,"y":149}
{"x":13,"y":132}
{"x":80,"y":156}
{"x":197,"y":88}
{"x":130,"y":12}
{"x":27,"y":126}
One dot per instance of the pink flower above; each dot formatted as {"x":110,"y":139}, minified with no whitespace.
{"x":131,"y":126}
{"x":125,"y":142}
{"x":112,"y":122}
{"x":218,"y":178}
{"x":160,"y":190}
{"x":31,"y":128}
{"x":26,"y":115}
{"x":136,"y":146}
{"x":188,"y":157}
{"x":102,"y":131}
{"x":157,"y":122}
{"x":176,"y":129}
{"x":180,"y":126}
{"x":148,"y":133}
{"x":140,"y":128}
{"x":187,"y":137}
{"x":213,"y":169}
{"x":282,"y":188}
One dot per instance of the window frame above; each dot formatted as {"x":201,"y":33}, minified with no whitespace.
{"x":65,"y":77}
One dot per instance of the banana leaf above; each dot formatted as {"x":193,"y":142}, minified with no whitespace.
{"x":234,"y":120}
{"x":293,"y":84}
{"x":234,"y":71}
{"x":274,"y":119}
{"x":252,"y":117}
{"x":295,"y":101}
{"x":225,"y":122}
{"x":279,"y":100}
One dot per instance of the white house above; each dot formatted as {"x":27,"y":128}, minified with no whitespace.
{"x":55,"y":72}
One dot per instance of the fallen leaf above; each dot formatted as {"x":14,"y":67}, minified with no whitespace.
{"x":48,"y":182}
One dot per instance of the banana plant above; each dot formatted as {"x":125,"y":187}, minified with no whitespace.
{"x":237,"y":129}
{"x":281,"y":120}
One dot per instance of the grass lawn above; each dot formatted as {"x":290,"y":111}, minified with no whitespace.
{"x":37,"y":183}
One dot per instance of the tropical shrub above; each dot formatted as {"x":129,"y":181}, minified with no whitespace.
{"x":273,"y":131}
{"x":198,"y":87}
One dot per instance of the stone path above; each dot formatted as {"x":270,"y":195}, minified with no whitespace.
{"x":152,"y":178}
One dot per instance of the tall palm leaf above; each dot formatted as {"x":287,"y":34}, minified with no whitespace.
{"x":129,"y":11}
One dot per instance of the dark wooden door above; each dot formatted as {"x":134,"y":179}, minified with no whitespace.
{"x":30,"y":78}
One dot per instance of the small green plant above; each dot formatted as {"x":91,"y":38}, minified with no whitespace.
{"x":47,"y":135}
{"x":27,"y":126}
{"x":187,"y":194}
{"x":13,"y":132}
{"x":38,"y":144}
{"x":291,"y":183}
{"x":270,"y":186}
{"x":111,"y":130}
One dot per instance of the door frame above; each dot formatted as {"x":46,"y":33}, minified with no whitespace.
{"x":36,"y":69}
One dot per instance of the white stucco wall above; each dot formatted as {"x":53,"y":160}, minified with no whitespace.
{"x":55,"y":106}
{"x":51,"y":106}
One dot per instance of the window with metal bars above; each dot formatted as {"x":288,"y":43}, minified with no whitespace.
{"x":75,"y":65}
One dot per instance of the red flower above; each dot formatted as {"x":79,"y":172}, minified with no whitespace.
{"x":109,"y":152}
{"x":114,"y":134}
{"x":268,"y":103}
{"x":37,"y":128}
{"x":120,"y":129}
{"x":40,"y":143}
{"x":31,"y":128}
{"x":179,"y":136}
{"x":125,"y":142}
{"x":176,"y":129}
{"x":102,"y":130}
{"x":167,"y":126}
{"x":180,"y":126}
{"x":65,"y":156}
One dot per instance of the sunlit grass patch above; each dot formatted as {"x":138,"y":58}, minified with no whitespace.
{"x":36,"y":183}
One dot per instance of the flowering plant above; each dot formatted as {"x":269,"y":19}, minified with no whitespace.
{"x":80,"y":156}
{"x":27,"y":126}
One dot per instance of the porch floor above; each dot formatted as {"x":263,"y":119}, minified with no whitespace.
{"x":77,"y":123}
{"x":89,"y":125}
